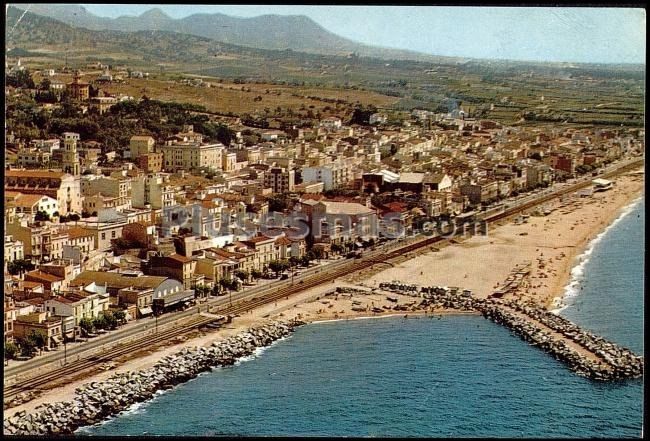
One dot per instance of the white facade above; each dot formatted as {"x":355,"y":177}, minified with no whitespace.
{"x":192,"y":156}
{"x":331,"y":175}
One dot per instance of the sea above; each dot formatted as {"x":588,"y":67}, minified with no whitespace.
{"x":448,"y":376}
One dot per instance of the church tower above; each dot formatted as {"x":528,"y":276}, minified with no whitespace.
{"x":70,"y":161}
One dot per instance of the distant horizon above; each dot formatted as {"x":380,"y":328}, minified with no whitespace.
{"x":523,"y":34}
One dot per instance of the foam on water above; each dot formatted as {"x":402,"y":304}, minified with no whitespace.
{"x":259,"y":351}
{"x":574,"y":286}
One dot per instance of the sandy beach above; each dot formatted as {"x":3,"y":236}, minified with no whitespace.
{"x":551,"y":243}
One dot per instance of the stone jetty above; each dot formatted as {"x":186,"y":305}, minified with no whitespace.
{"x":96,"y":401}
{"x":534,"y":324}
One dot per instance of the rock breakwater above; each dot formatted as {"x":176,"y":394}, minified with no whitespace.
{"x":608,"y":362}
{"x":96,"y":401}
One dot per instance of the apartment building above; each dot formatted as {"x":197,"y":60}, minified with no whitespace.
{"x":333,"y":175}
{"x":280,"y":180}
{"x":152,"y":189}
{"x":141,"y":145}
{"x":191,"y":156}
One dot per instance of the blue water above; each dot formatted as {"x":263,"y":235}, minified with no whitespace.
{"x":460,"y":376}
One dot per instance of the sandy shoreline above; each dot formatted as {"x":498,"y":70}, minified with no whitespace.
{"x":552,"y":243}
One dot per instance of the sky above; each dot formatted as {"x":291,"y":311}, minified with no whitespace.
{"x":587,"y":35}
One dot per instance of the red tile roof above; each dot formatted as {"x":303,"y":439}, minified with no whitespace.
{"x":34,"y":174}
{"x":179,"y":258}
{"x":38,"y":274}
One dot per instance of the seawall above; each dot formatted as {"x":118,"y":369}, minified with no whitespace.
{"x":97,"y":401}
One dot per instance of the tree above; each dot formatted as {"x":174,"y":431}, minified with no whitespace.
{"x":10,"y":350}
{"x":256,"y":274}
{"x":87,"y":325}
{"x":277,"y":266}
{"x":37,"y":338}
{"x":242,"y":274}
{"x":336,"y":248}
{"x":100,"y":322}
{"x":46,"y":96}
{"x":201,"y":291}
{"x":361,"y":115}
{"x":316,"y":253}
{"x":27,"y":347}
{"x":278,"y":202}
{"x":120,"y":316}
{"x":304,"y":260}
{"x":19,"y":266}
{"x":225,"y":283}
{"x":45,"y":84}
{"x":41,"y":216}
{"x":294,"y":261}
{"x":21,"y":79}
{"x":110,"y":320}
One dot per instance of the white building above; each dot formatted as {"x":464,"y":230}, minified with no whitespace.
{"x":331,"y":123}
{"x":378,"y":118}
{"x":30,"y":204}
{"x":191,"y":156}
{"x":333,"y":175}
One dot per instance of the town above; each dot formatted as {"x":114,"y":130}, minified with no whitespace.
{"x":98,"y":235}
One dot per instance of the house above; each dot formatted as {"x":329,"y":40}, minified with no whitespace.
{"x":338,"y":222}
{"x":64,"y":268}
{"x":193,"y":156}
{"x":396,"y":219}
{"x":439,"y":182}
{"x":79,"y":90}
{"x":32,"y":157}
{"x":481,"y":192}
{"x":141,"y":145}
{"x":143,"y":233}
{"x":9,"y":318}
{"x":51,"y":283}
{"x":78,"y":305}
{"x":141,"y":298}
{"x":113,"y":282}
{"x":150,"y":162}
{"x":101,"y":104}
{"x":23,"y":290}
{"x":104,"y":228}
{"x":377,"y":118}
{"x":333,"y":175}
{"x":175,"y":266}
{"x":264,"y":249}
{"x":82,"y":239}
{"x":14,"y":249}
{"x":331,"y":123}
{"x":216,"y":265}
{"x":152,"y":189}
{"x":40,"y":322}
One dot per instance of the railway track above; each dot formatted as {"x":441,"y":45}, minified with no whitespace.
{"x":94,"y":361}
{"x":245,"y":304}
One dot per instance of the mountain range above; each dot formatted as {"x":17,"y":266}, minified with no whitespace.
{"x":276,"y":32}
